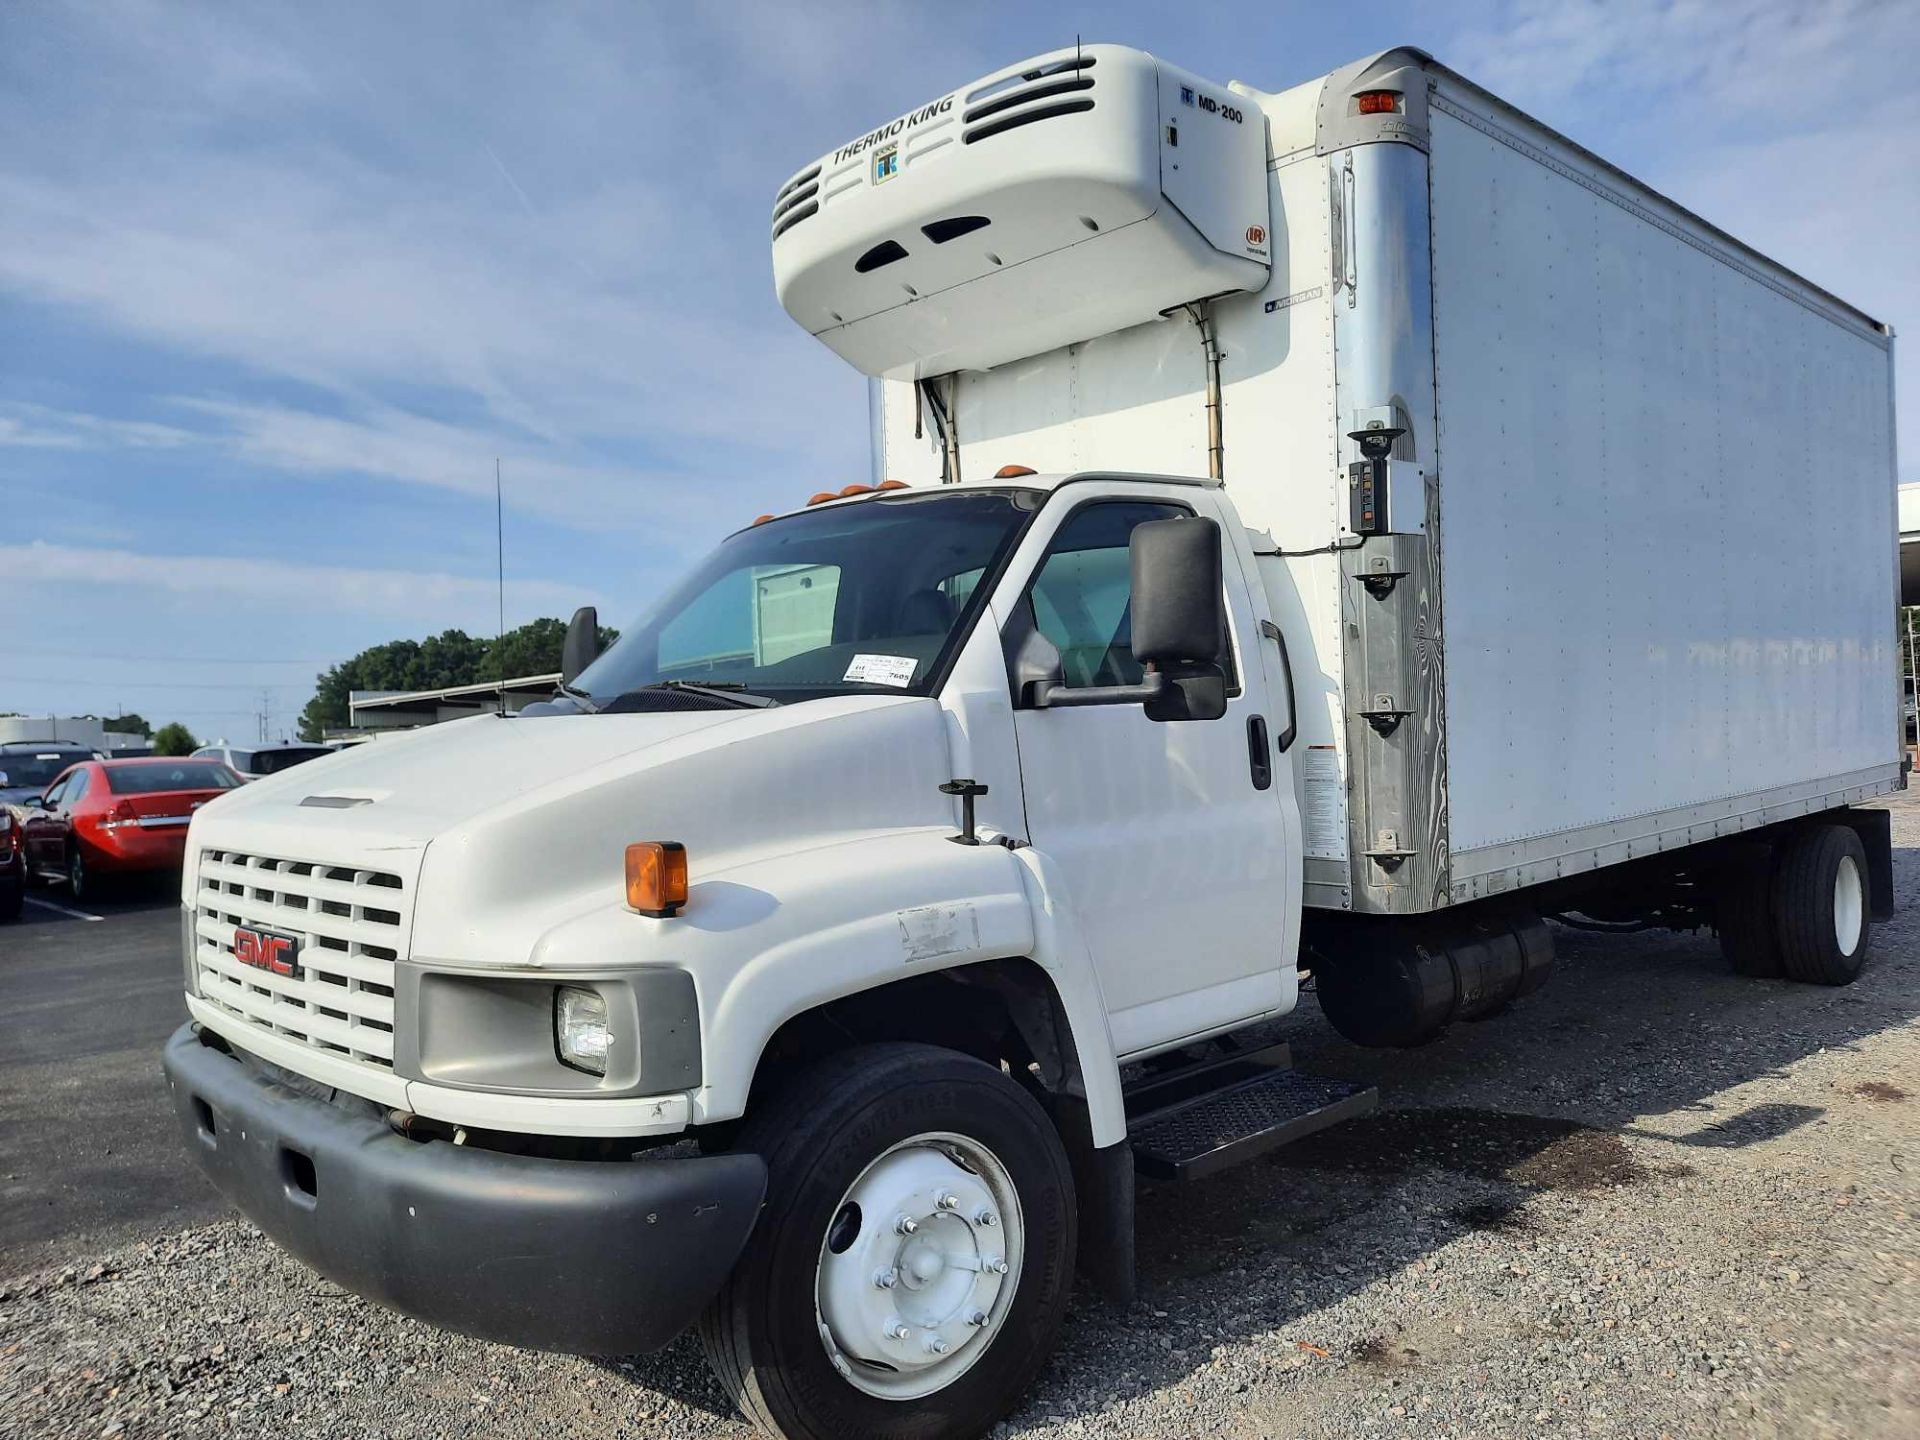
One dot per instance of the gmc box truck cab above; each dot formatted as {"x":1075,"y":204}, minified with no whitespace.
{"x":1333,"y":530}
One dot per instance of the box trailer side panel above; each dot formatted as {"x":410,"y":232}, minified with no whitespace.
{"x":1666,"y":490}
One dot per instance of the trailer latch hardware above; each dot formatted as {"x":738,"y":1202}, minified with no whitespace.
{"x":966,"y":790}
{"x":1383,"y":715}
{"x":1380,"y":578}
{"x":1387,"y":853}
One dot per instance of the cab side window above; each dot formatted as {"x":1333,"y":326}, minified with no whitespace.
{"x":1081,"y":598}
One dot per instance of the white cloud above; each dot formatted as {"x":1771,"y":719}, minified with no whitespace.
{"x":36,"y":427}
{"x":427,"y":599}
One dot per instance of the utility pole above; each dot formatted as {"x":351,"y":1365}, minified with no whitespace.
{"x":500,"y":566}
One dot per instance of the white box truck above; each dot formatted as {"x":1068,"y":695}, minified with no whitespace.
{"x":1337,"y":529}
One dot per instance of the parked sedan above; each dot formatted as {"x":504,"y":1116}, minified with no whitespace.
{"x":118,"y":816}
{"x":13,"y":867}
{"x":250,"y":762}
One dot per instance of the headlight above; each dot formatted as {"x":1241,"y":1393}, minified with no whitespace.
{"x":580,"y":1029}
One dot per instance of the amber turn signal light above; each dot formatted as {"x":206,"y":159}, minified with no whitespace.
{"x":657,"y":877}
{"x":1378,"y":102}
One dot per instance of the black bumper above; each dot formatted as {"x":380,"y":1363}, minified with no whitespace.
{"x":584,"y":1256}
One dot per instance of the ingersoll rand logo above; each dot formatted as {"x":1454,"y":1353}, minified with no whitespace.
{"x":264,"y":950}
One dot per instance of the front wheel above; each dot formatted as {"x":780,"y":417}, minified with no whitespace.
{"x":911,"y":1266}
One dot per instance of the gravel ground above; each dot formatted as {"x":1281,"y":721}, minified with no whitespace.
{"x":1652,"y":1200}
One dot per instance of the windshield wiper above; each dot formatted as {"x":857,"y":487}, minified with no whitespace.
{"x":730,"y":692}
{"x":575,"y":693}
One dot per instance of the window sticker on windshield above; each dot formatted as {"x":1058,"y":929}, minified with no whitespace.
{"x":881,"y":669}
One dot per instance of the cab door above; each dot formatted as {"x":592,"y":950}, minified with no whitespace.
{"x":1170,"y":835}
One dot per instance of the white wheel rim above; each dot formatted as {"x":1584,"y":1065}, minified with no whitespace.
{"x":1849,"y":905}
{"x":914,"y":1295}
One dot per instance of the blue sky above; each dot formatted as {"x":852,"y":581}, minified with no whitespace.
{"x":278,"y":282}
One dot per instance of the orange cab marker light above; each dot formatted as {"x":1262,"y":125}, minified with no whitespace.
{"x":855,"y":490}
{"x":1379,"y":102}
{"x":1010,"y":472}
{"x":822,"y":496}
{"x":891,"y":485}
{"x":657,"y":877}
{"x":761,"y":519}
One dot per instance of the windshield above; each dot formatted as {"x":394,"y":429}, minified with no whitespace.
{"x":147,"y":779}
{"x":852,"y":599}
{"x":272,"y":762}
{"x":28,"y":769}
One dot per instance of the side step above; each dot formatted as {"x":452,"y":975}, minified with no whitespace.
{"x":1201,"y":1134}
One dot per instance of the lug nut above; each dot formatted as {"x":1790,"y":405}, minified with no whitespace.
{"x":884,"y":1279}
{"x":906,"y":1225}
{"x":949,"y":1202}
{"x":937,"y":1346}
{"x":897,"y":1331}
{"x":997,"y":1266}
{"x":977,"y":1318}
{"x":986,"y":1218}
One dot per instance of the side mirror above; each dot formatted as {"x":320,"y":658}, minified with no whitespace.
{"x":1179,"y":610}
{"x":1180,"y":617}
{"x":582,"y":645}
{"x":1179,"y":621}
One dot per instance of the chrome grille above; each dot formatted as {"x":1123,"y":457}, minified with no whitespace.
{"x":350,"y":923}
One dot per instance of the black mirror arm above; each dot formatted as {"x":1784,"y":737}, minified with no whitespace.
{"x":1284,"y":740}
{"x":1052,"y":695}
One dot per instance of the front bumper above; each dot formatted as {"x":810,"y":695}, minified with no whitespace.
{"x":583,"y":1256}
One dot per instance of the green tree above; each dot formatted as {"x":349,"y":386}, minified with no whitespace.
{"x":173,"y":738}
{"x":131,"y":723}
{"x":452,"y":657}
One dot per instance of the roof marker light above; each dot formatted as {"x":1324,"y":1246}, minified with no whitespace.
{"x":761,"y":519}
{"x":820,"y":497}
{"x":847,"y":490}
{"x":1012,"y":472}
{"x":891,"y":485}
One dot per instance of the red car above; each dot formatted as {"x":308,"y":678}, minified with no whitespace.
{"x":117,"y":816}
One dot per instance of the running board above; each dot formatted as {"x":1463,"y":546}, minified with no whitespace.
{"x":1204,"y":1134}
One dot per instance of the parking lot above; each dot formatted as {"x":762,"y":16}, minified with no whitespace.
{"x":1653,"y":1199}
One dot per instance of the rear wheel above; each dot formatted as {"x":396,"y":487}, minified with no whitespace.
{"x":80,"y":885}
{"x":1820,"y":905}
{"x":910,"y":1269}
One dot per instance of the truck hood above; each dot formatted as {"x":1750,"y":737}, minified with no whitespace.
{"x":407,"y":789}
{"x":499,"y":829}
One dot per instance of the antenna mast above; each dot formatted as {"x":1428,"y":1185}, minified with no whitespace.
{"x":500,"y":566}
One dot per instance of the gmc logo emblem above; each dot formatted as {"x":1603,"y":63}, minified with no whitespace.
{"x":264,"y":950}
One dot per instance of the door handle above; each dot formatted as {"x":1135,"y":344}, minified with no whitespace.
{"x":1272,"y":632}
{"x":1257,"y":757}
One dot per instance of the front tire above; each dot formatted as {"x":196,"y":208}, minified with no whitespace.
{"x":870,"y":1301}
{"x":1821,"y":908}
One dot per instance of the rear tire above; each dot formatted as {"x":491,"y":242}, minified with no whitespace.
{"x":80,"y":881}
{"x":1821,"y":909}
{"x":1743,"y":914}
{"x":844,"y":1128}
